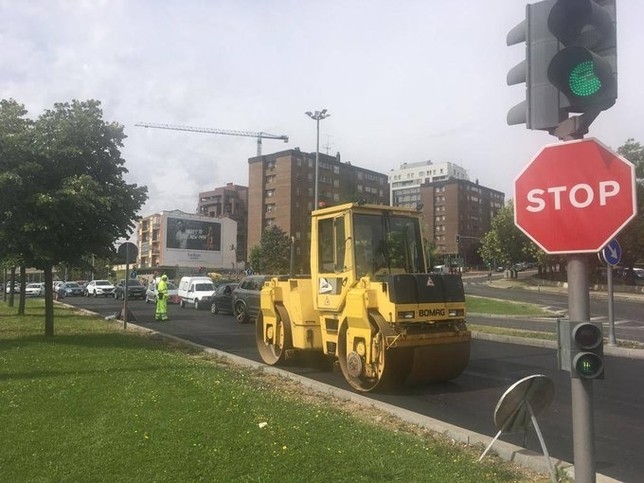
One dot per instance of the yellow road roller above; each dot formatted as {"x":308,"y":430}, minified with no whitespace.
{"x":370,"y":302}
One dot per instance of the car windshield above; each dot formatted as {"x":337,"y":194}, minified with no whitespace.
{"x":204,"y":287}
{"x":133,"y":282}
{"x":72,"y":285}
{"x":171,"y":286}
{"x":103,"y":282}
{"x":33,"y":285}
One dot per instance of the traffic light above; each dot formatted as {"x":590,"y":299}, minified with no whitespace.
{"x":585,"y":68}
{"x":571,"y":62}
{"x":586,"y":350}
{"x":458,"y":238}
{"x":541,"y":108}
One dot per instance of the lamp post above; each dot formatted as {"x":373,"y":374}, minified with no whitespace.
{"x":317,"y":116}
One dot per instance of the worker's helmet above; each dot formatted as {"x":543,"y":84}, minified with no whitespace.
{"x":164,"y":277}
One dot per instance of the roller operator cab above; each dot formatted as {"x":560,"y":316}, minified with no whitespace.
{"x":369,"y":302}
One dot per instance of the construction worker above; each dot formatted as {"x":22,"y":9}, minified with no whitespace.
{"x":162,"y":299}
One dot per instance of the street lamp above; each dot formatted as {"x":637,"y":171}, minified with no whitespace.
{"x":317,"y":116}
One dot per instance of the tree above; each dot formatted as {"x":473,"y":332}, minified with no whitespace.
{"x":505,"y":244}
{"x":15,"y":186}
{"x":78,"y":202}
{"x":631,"y":238}
{"x":273,"y":254}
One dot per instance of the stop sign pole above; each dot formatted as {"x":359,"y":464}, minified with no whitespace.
{"x":573,"y":198}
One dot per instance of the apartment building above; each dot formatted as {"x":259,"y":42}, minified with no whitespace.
{"x":405,"y":182}
{"x":457,"y":214}
{"x":281,"y":191}
{"x":231,"y":201}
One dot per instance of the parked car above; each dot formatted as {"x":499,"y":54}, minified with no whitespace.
{"x":16,"y":287}
{"x":69,"y":289}
{"x":135,"y":289}
{"x":151,"y":293}
{"x":99,"y":287}
{"x":625,"y":274}
{"x":222,"y":300}
{"x":246,"y":298}
{"x":35,"y":290}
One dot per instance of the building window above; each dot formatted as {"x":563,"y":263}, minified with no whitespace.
{"x":270,"y":193}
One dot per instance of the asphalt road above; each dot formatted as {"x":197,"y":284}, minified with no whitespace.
{"x":627,"y":308}
{"x":468,"y":401}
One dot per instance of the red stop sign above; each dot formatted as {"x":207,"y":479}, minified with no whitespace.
{"x":574,"y":197}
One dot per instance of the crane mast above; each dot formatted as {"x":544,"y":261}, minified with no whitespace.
{"x":226,"y":132}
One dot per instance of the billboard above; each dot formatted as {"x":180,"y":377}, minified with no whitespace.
{"x":186,"y":234}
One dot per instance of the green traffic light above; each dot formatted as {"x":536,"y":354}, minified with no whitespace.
{"x":583,"y":81}
{"x":589,"y":365}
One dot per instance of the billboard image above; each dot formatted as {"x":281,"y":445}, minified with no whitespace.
{"x":193,"y":234}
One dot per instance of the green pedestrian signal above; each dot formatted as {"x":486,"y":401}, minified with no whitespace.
{"x":587,"y":351}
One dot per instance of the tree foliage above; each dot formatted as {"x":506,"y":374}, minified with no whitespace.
{"x":273,"y":254}
{"x":505,"y":244}
{"x":69,"y":198}
{"x":631,"y":238}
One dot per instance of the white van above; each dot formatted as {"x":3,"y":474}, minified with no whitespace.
{"x":197,"y":291}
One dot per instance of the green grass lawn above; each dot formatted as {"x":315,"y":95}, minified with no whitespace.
{"x":483,"y":305}
{"x":95,"y":403}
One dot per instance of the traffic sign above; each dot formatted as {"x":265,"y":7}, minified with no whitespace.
{"x":574,"y":197}
{"x":128,"y":252}
{"x":612,"y":252}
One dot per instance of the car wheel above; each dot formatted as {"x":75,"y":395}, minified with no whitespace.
{"x":181,"y":304}
{"x":196,"y":304}
{"x":240,"y":313}
{"x":214,"y":309}
{"x":116,"y":295}
{"x":95,"y":294}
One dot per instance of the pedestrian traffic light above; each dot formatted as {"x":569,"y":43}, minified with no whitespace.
{"x":585,"y":68}
{"x":586,"y":350}
{"x":541,"y":108}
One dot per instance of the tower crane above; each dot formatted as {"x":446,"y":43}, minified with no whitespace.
{"x":227,"y":132}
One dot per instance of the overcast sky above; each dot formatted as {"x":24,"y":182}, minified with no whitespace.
{"x":404,"y":81}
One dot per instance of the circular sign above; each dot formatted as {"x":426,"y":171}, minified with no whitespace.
{"x":573,"y":197}
{"x":612,"y":252}
{"x":128,"y":252}
{"x":512,"y":414}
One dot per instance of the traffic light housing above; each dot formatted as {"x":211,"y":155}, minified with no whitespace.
{"x":541,"y":108}
{"x":586,"y":350}
{"x":570,"y":65}
{"x":458,"y":238}
{"x":584,"y":69}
